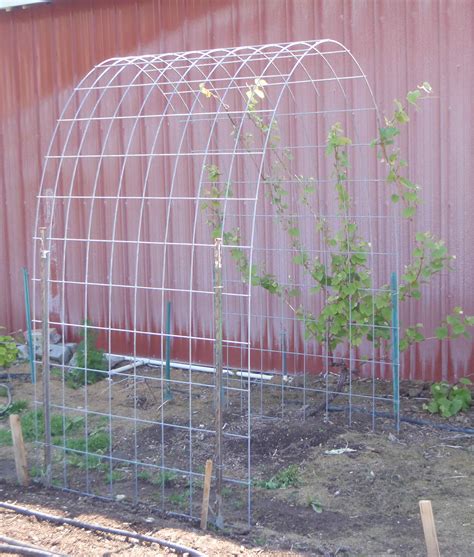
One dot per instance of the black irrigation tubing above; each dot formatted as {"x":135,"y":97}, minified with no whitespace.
{"x":181,"y":549}
{"x":24,"y":550}
{"x":415,"y":421}
{"x":8,"y":542}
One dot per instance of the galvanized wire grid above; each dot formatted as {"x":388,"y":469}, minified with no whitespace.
{"x":131,"y":259}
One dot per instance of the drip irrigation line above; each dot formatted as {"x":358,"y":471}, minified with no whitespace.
{"x":415,"y":421}
{"x":16,"y":374}
{"x":6,"y":541}
{"x":24,"y":550}
{"x":180,"y":549}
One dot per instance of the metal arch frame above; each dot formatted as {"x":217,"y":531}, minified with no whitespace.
{"x":156,"y":69}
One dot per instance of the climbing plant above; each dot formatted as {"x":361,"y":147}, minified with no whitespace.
{"x":8,"y":350}
{"x":354,"y":309}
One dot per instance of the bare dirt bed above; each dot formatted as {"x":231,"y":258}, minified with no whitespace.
{"x":359,"y":502}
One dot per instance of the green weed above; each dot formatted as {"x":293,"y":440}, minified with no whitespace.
{"x":315,"y":505}
{"x":115,"y":476}
{"x":179,"y":499}
{"x":287,"y":477}
{"x":164,"y":478}
{"x":16,"y":407}
{"x":32,"y":424}
{"x":5,"y":437}
{"x":144,"y":475}
{"x":448,"y":400}
{"x":91,"y":362}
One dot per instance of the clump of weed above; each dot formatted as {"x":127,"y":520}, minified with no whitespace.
{"x":165,"y":478}
{"x":179,"y":499}
{"x":115,"y":476}
{"x":32,"y":424}
{"x":315,"y":505}
{"x":448,"y":400}
{"x":287,"y":477}
{"x":5,"y":437}
{"x":16,"y":407}
{"x":8,"y":350}
{"x":91,"y":361}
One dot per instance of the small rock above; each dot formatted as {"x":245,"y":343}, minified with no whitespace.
{"x":73,"y":361}
{"x":60,"y":353}
{"x":37,"y":337}
{"x":23,"y":352}
{"x":72,"y":345}
{"x":149,"y":519}
{"x":120,"y":497}
{"x":18,"y":337}
{"x":415,"y":391}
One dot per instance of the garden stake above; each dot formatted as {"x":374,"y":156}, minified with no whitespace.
{"x":395,"y":349}
{"x":45,"y":360}
{"x":429,"y":529}
{"x":283,"y":367}
{"x":168,"y":395}
{"x":218,"y":366}
{"x":19,"y":450}
{"x":205,"y":494}
{"x":31,"y":351}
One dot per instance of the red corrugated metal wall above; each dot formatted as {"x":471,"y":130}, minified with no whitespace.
{"x":45,"y":50}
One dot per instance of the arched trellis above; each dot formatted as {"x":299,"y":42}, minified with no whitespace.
{"x":146,"y":153}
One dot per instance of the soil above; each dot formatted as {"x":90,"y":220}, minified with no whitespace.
{"x":361,"y":499}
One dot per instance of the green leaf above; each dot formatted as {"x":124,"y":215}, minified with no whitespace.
{"x":410,"y":196}
{"x":317,"y":507}
{"x":432,"y":407}
{"x":391,"y":177}
{"x":400,"y":115}
{"x":388,"y":133}
{"x":408,"y":212}
{"x":459,"y":329}
{"x":445,"y":409}
{"x":294,"y":292}
{"x":441,"y":333}
{"x":413,"y":96}
{"x":395,"y":198}
{"x":300,"y":259}
{"x":456,"y":405}
{"x":465,"y":381}
{"x":452,"y":320}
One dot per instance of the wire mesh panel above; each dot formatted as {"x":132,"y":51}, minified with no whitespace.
{"x":152,"y":159}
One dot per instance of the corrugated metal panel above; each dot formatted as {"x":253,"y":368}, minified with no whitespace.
{"x":45,"y":50}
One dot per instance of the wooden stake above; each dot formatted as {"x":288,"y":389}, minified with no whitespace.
{"x":218,"y":388}
{"x":19,"y":450}
{"x":429,"y":529}
{"x":205,"y":494}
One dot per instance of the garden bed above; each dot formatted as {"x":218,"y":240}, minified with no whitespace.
{"x":319,"y":485}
